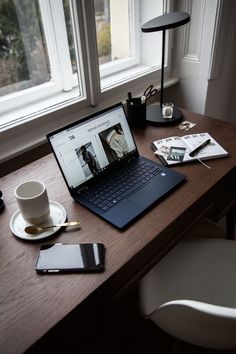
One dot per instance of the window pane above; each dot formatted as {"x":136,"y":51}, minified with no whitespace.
{"x":23,"y":52}
{"x":70,"y":34}
{"x":39,"y":58}
{"x":113,"y":30}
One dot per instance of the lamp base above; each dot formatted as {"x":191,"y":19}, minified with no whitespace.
{"x":154,"y":116}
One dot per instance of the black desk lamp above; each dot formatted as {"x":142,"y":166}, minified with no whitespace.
{"x":162,"y":23}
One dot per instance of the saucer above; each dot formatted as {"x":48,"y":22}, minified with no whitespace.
{"x":57,"y":216}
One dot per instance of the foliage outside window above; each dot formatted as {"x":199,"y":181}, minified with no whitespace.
{"x":23,"y":51}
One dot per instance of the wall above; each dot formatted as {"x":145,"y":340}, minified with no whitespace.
{"x":193,"y":50}
{"x":232,"y":106}
{"x":206,"y":59}
{"x":221,"y":95}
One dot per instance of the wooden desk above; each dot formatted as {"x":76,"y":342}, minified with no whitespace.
{"x":33,"y":304}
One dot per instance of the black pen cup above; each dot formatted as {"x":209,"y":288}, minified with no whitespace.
{"x":136,"y":112}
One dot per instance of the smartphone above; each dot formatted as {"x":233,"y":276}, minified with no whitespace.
{"x":76,"y":258}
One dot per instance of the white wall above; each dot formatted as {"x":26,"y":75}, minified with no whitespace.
{"x":220,"y":100}
{"x":206,"y":52}
{"x":194,"y":48}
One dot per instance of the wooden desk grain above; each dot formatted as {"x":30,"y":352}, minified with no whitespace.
{"x":32,"y":304}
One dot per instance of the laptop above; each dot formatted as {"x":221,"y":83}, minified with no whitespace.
{"x":103,"y":170}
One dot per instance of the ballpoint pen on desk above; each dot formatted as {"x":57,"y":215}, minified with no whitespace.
{"x":129,"y":96}
{"x":200,"y":147}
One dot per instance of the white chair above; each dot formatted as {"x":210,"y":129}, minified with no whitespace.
{"x":191,"y":292}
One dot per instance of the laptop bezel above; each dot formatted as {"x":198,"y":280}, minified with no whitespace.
{"x":111,"y":166}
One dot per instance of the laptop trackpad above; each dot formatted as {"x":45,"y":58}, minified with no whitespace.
{"x":149,"y":194}
{"x":123,"y":213}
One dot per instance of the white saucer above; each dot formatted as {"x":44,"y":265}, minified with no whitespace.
{"x":57,"y":216}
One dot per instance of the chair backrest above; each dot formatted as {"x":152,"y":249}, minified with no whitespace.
{"x":198,"y":323}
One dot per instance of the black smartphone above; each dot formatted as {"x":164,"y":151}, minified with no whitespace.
{"x":76,"y":258}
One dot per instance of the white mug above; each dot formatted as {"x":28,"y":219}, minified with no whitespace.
{"x":32,"y":200}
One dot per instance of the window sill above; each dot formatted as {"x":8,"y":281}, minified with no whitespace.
{"x":139,"y":71}
{"x":22,"y":138}
{"x":29,"y":111}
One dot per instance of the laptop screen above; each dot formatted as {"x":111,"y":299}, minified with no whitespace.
{"x":86,"y":148}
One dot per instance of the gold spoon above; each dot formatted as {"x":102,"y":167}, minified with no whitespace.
{"x":33,"y":229}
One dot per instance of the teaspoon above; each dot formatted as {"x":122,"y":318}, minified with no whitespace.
{"x":33,"y":229}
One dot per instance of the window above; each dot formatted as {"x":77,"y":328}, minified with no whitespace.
{"x":116,"y":38}
{"x":60,"y":57}
{"x":24,"y":56}
{"x":121,"y":44}
{"x":38,"y":57}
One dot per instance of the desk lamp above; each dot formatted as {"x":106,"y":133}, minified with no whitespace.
{"x":162,"y":23}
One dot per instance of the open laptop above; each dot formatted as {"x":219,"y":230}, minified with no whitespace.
{"x":103,"y":170}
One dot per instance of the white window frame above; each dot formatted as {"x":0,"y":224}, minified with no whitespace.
{"x":28,"y":132}
{"x":62,"y":77}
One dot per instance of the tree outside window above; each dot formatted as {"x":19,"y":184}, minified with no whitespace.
{"x":23,"y":52}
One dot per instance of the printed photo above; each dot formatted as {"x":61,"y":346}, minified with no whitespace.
{"x":114,"y":142}
{"x":164,"y":151}
{"x":176,"y":154}
{"x":88,"y":159}
{"x":186,"y":125}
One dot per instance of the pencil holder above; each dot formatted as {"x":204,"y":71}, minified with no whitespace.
{"x":136,"y":112}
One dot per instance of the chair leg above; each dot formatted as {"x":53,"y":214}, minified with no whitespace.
{"x":230,"y":223}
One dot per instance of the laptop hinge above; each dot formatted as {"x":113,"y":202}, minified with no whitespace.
{"x":132,"y":158}
{"x":82,"y":189}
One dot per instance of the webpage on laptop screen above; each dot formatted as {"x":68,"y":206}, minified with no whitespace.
{"x":88,"y":148}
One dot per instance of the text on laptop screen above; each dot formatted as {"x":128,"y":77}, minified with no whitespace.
{"x":87,"y":148}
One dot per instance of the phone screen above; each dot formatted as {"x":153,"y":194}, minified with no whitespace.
{"x":84,"y":257}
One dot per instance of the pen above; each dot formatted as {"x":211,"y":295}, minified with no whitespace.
{"x":143,"y":99}
{"x":129,"y":96}
{"x":201,"y":146}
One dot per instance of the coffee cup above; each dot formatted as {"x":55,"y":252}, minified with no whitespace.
{"x":32,"y":200}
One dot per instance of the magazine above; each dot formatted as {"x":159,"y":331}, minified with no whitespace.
{"x":176,"y":149}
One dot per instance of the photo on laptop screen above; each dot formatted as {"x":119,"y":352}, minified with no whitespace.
{"x":87,"y":148}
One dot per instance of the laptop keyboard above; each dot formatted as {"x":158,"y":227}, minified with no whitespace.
{"x":119,"y":184}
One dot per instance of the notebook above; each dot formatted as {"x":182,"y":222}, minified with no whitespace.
{"x":176,"y":149}
{"x":103,"y":170}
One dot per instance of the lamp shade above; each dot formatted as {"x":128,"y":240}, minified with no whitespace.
{"x":166,"y":21}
